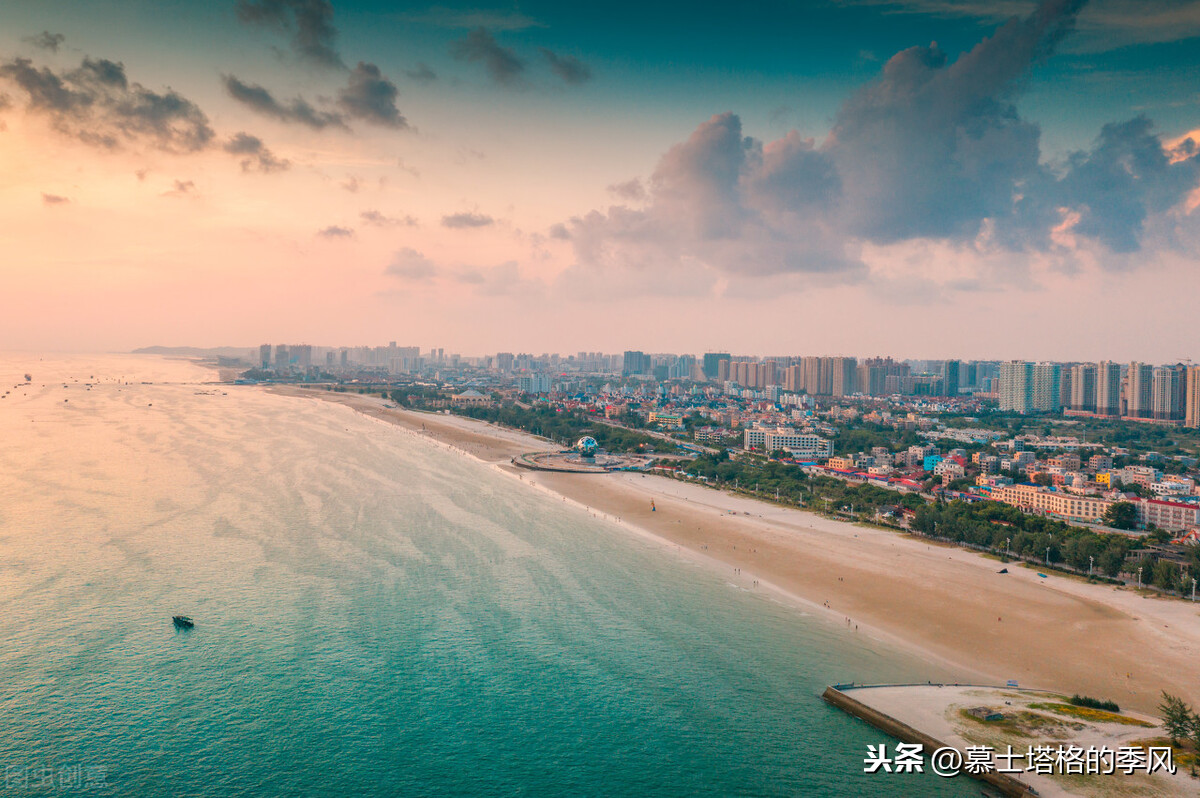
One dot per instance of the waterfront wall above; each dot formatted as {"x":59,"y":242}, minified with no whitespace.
{"x":1005,"y":784}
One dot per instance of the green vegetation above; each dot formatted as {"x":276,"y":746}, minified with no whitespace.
{"x":1178,"y":720}
{"x":793,"y":486}
{"x":863,"y":437}
{"x":564,"y":426}
{"x":1094,"y":715}
{"x":1094,"y":703}
{"x":1122,"y":515}
{"x":418,"y":396}
{"x":1007,"y":529}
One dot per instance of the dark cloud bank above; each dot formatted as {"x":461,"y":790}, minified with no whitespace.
{"x":929,"y":150}
{"x":97,"y":104}
{"x":309,"y":21}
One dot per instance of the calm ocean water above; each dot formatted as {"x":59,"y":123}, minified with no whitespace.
{"x":375,"y":616}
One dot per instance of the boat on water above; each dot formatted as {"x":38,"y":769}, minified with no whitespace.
{"x":182,"y":622}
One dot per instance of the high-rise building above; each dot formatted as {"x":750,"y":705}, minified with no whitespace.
{"x":681,"y":368}
{"x":792,"y":377}
{"x":1083,"y":388}
{"x":282,"y":357}
{"x":504,"y":361}
{"x":635,"y":362}
{"x":723,"y":369}
{"x":1045,"y":395}
{"x":1108,"y":388}
{"x":873,"y":374}
{"x":969,"y":376}
{"x":264,"y":355}
{"x":951,"y":375}
{"x":843,"y":376}
{"x":712,"y":361}
{"x":1016,"y":386}
{"x":1191,"y":413}
{"x":1168,"y":393}
{"x":1138,"y":385}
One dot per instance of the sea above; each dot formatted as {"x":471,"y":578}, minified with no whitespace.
{"x":374,"y":615}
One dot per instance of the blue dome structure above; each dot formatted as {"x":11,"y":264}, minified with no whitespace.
{"x":586,"y":446}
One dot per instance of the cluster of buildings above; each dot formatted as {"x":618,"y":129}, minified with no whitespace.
{"x":817,"y":376}
{"x":1062,"y":478}
{"x":1165,"y":394}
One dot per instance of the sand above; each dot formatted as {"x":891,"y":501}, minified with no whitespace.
{"x":936,"y":711}
{"x":945,"y":604}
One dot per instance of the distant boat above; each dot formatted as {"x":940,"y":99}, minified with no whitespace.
{"x":28,"y":378}
{"x":182,"y":622}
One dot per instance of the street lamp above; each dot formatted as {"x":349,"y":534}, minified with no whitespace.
{"x":1139,"y":577}
{"x":1091,"y":560}
{"x":1193,"y":590}
{"x":1047,"y":555}
{"x":1007,"y":541}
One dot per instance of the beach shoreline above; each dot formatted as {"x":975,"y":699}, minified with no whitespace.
{"x":946,"y":605}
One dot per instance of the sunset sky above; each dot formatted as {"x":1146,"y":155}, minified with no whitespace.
{"x":920,"y":178}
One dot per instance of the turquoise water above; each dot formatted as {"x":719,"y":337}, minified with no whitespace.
{"x":375,"y":616}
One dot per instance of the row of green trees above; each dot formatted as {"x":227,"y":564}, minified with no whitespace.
{"x":565,"y":426}
{"x":1008,"y":529}
{"x":1004,"y":528}
{"x":772,"y":478}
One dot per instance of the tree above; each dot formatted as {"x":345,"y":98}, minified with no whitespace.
{"x":1122,"y":515}
{"x":1177,"y":717}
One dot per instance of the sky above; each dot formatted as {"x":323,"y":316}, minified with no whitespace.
{"x":917,"y":178}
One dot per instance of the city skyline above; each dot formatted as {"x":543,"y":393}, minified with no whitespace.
{"x":983,"y":180}
{"x":1167,"y":394}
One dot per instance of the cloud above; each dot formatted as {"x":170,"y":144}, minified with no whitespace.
{"x":1106,"y":26}
{"x":336,"y":231}
{"x":1127,"y":177}
{"x":421,"y":73}
{"x":409,"y":264}
{"x":466,"y":220}
{"x":632,"y":190}
{"x":443,"y":17}
{"x":567,"y":67}
{"x":46,"y":41}
{"x":502,"y":64}
{"x":502,"y":280}
{"x":309,"y":21}
{"x":297,"y":110}
{"x":54,"y":199}
{"x":96,"y":104}
{"x":258,"y":157}
{"x":371,"y":97}
{"x":380,"y":220}
{"x":181,"y":188}
{"x":930,"y":150}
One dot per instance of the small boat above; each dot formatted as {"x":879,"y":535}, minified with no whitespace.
{"x":182,"y":622}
